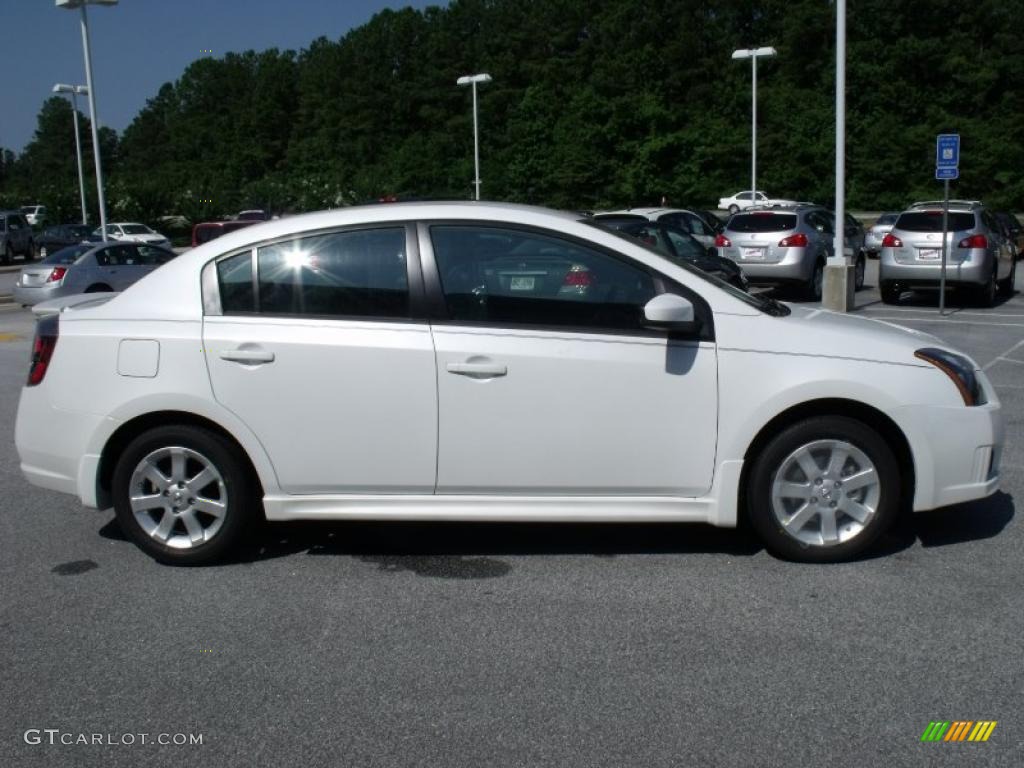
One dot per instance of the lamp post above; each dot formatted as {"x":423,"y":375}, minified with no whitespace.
{"x":753,"y":54}
{"x":473,"y":80}
{"x":91,"y":90}
{"x":75,"y":90}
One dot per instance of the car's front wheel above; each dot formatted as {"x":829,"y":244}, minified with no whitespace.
{"x":734,"y":209}
{"x":823,"y":490}
{"x":860,"y":271}
{"x":891,"y":293}
{"x":183,"y":494}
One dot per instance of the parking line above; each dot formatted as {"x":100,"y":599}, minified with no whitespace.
{"x":1003,"y":356}
{"x":952,"y":313}
{"x":946,"y":320}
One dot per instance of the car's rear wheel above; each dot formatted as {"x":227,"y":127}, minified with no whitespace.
{"x":986,"y":294}
{"x":813,"y":287}
{"x":891,"y":293}
{"x":859,"y":271}
{"x":823,"y":490}
{"x":8,"y":254}
{"x":30,"y":252}
{"x":183,"y":494}
{"x":734,"y":209}
{"x":1006,"y":287}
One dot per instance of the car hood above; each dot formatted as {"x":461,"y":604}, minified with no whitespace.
{"x":822,"y":333}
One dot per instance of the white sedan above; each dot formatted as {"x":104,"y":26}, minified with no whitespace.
{"x":746,"y":199}
{"x":480,"y":361}
{"x":135,"y":233}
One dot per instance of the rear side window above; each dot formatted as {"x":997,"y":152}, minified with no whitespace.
{"x":67,"y":255}
{"x":234,"y":279}
{"x":343,"y":274}
{"x":931,"y":221}
{"x":762,"y":222}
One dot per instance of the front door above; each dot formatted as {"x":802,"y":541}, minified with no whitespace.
{"x":315,"y":347}
{"x":548,"y":384}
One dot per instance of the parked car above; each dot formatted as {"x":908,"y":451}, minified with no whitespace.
{"x":780,"y":246}
{"x":747,"y":199}
{"x":980,"y":259}
{"x":134,"y":232}
{"x":88,"y":268}
{"x":853,"y":247}
{"x":34,"y":214}
{"x":689,"y":221}
{"x":877,"y":232}
{"x":1013,"y":230}
{"x":709,"y":218}
{"x":255,"y":214}
{"x":15,"y":237}
{"x":53,"y":239}
{"x":485,"y":361}
{"x":676,"y":244}
{"x":206,"y":231}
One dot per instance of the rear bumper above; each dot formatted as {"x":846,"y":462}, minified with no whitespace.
{"x":796,"y":266}
{"x":33,"y":294}
{"x":970,"y":271}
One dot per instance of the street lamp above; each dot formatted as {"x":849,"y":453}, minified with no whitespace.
{"x":80,"y":4}
{"x":753,"y":54}
{"x":473,"y":80}
{"x":75,"y":90}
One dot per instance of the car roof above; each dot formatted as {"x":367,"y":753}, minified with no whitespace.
{"x":780,"y":208}
{"x":952,"y":203}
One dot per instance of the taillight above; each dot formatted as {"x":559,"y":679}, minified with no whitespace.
{"x":57,"y":273}
{"x":578,"y":277}
{"x":891,"y":241}
{"x":974,"y":241}
{"x":721,"y":241}
{"x":799,"y":240}
{"x":47,"y":330}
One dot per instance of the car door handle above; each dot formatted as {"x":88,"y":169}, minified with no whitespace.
{"x":478,"y":370}
{"x":247,"y":355}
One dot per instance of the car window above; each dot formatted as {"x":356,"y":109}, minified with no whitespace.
{"x":696,"y":225}
{"x":67,"y":255}
{"x":343,"y":274}
{"x":685,"y":245}
{"x":137,"y":229}
{"x":150,"y":255}
{"x":762,"y":221}
{"x":743,"y":196}
{"x":931,"y":221}
{"x":115,"y":256}
{"x":761,"y":196}
{"x":234,"y":279}
{"x":514,"y":277}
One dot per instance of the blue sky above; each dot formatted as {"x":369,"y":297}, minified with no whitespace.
{"x":138,"y":45}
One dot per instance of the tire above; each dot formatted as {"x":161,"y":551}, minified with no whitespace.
{"x":734,"y":209}
{"x":98,"y":288}
{"x":891,"y":293}
{"x":986,"y":294}
{"x":8,"y":255}
{"x":159,"y":467}
{"x":860,"y":270}
{"x":30,"y":252}
{"x":813,"y":286}
{"x":1006,"y":287}
{"x":819,"y":519}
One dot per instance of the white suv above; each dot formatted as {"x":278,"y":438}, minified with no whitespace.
{"x":479,"y":361}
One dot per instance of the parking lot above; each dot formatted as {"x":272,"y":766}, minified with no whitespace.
{"x":378,"y":644}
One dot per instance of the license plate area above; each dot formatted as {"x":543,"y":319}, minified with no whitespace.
{"x":752,"y":254}
{"x":929,"y":254}
{"x":522,"y":283}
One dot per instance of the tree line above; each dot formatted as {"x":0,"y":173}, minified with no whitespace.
{"x":594,"y":103}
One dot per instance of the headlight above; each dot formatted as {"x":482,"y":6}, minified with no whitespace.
{"x":959,"y":369}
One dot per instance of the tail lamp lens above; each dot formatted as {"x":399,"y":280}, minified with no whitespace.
{"x":891,"y":241}
{"x":57,"y":274}
{"x":721,"y":241}
{"x":798,"y":240}
{"x":47,"y":330}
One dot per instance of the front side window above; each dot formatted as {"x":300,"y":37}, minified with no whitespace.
{"x":342,"y":274}
{"x":516,"y":277}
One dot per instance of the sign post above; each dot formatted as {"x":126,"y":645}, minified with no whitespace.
{"x":947,"y":166}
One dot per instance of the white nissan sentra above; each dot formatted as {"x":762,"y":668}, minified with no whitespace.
{"x":481,"y":361}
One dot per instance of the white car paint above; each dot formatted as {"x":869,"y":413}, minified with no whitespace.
{"x":116,"y":231}
{"x":744,"y":199}
{"x":363,"y":420}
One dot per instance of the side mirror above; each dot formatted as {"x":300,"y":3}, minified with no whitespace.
{"x":670,"y":312}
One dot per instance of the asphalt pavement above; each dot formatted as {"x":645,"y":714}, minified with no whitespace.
{"x":518,"y":645}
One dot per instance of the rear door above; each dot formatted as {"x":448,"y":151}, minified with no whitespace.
{"x":547,"y":382}
{"x":319,"y":345}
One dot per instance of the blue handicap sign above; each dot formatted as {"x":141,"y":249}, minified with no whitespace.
{"x":947,"y":173}
{"x":947,"y":151}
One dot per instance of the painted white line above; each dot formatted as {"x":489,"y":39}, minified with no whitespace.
{"x":945,"y":320}
{"x":949,"y":313}
{"x":1002,"y":356}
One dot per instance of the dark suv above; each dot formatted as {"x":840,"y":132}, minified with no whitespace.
{"x":979,"y":257}
{"x":15,"y":237}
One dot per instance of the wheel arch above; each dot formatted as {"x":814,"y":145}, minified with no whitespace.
{"x":128,"y":431}
{"x":893,"y":435}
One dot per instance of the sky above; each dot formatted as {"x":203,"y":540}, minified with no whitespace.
{"x":138,"y":45}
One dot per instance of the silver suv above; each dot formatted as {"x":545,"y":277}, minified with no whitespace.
{"x":979,"y":256}
{"x":780,"y":245}
{"x":15,"y":237}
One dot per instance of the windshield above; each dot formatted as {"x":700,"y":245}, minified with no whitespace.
{"x":762,"y":221}
{"x":761,"y":302}
{"x":136,"y":229}
{"x":67,"y":255}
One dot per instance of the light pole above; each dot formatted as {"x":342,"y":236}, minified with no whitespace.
{"x":473,"y":80}
{"x":753,"y":54}
{"x":80,"y":4}
{"x":74,"y":90}
{"x":840,"y":279}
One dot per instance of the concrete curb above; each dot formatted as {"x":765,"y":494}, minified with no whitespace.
{"x":6,"y":298}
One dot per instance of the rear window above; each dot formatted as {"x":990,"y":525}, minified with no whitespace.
{"x":886,"y":218}
{"x":762,"y":222}
{"x":136,"y":229}
{"x":931,"y":221}
{"x":67,"y":255}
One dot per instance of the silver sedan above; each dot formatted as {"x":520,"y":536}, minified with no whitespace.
{"x":88,"y":268}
